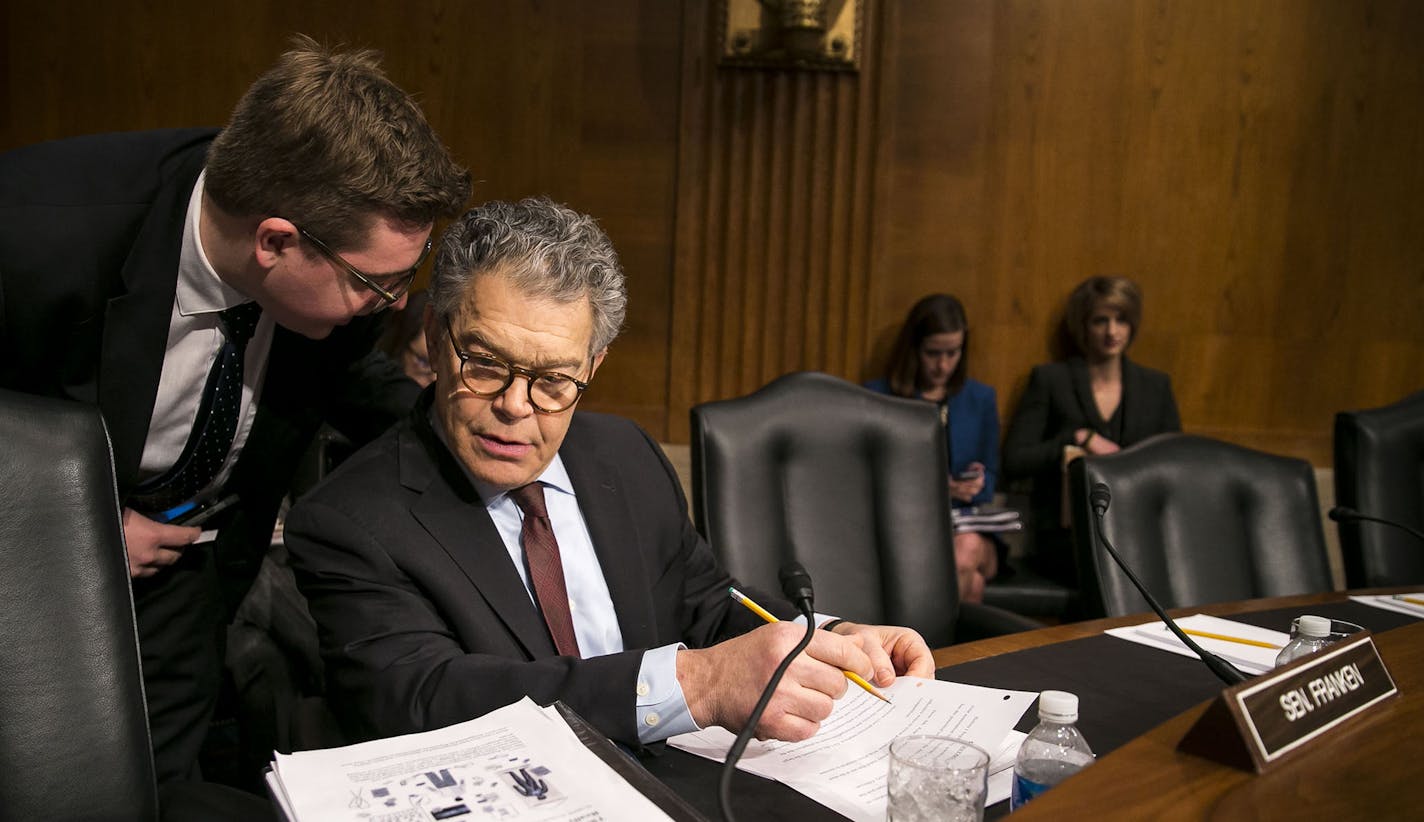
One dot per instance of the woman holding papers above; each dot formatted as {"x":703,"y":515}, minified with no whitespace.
{"x":1096,"y":402}
{"x":930,"y":362}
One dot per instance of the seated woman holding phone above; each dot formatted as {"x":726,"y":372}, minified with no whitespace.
{"x":929,"y":361}
{"x":1096,"y":402}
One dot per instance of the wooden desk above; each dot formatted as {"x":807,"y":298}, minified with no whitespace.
{"x":1363,"y":771}
{"x":993,"y":646}
{"x":1172,"y":791}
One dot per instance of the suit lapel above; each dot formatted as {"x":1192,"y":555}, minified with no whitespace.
{"x":454,"y":515}
{"x":603,"y":500}
{"x":1131,"y":393}
{"x":1083,"y":391}
{"x":136,"y":322}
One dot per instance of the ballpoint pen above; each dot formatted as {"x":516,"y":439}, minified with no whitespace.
{"x":767,"y":615}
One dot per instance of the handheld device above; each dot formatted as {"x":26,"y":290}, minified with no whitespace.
{"x":199,"y":513}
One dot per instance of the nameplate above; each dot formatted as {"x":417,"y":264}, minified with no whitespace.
{"x":1285,"y":710}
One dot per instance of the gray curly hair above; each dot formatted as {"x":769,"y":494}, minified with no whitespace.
{"x":547,"y":250}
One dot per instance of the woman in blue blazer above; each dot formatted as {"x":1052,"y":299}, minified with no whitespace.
{"x":930,"y":362}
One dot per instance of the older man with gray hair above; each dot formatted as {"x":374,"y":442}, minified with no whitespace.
{"x":500,"y":544}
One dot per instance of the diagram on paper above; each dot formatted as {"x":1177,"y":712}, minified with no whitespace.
{"x":497,"y":787}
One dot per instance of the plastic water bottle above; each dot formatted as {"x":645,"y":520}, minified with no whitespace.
{"x":1053,"y":751}
{"x":1312,"y":634}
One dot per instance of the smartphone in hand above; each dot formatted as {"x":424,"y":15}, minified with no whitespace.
{"x":971,"y":474}
{"x":197,"y":514}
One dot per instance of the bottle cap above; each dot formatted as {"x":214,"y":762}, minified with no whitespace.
{"x":1313,"y":626}
{"x":1058,"y":706}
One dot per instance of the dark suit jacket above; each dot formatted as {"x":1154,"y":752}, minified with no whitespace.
{"x":90,"y":234}
{"x":424,"y":620}
{"x":1057,"y":402}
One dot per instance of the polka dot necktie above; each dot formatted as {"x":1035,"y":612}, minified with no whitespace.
{"x":216,"y":422}
{"x":546,"y":569}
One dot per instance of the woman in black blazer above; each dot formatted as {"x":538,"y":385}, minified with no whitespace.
{"x":1097,"y":400}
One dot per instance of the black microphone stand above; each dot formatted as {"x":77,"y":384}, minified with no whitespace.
{"x":1342,"y":513}
{"x":734,"y":754}
{"x":1225,"y":671}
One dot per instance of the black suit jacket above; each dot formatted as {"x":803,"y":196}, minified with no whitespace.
{"x":1057,"y":402}
{"x":90,"y":234}
{"x":424,"y":620}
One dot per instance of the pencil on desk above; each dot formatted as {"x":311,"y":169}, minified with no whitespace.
{"x":1409,"y":599}
{"x":769,"y":617}
{"x":1256,"y":642}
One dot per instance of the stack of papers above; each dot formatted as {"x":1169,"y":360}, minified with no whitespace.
{"x":1248,"y":647}
{"x":986,"y":520}
{"x":1001,"y":768}
{"x":519,"y":762}
{"x":846,"y":764}
{"x":1411,"y":603}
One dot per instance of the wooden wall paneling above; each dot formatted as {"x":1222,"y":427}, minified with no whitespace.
{"x":1254,"y":165}
{"x":575,"y":100}
{"x":626,"y":89}
{"x":1248,"y":167}
{"x":772,"y":222}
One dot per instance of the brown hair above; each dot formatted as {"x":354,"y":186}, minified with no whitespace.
{"x":326,"y":140}
{"x":935,"y":314}
{"x":1117,"y":293}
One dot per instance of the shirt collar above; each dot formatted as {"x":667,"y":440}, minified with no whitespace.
{"x":200,"y":289}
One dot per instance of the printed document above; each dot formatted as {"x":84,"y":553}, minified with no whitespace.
{"x":845,"y":765}
{"x":1248,"y":647}
{"x":521,"y":762}
{"x":1411,"y":604}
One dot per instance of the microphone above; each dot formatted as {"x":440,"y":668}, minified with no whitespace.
{"x":796,"y":585}
{"x":1344,"y":513}
{"x":1100,"y":497}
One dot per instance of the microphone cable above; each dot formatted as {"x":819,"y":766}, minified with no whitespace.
{"x":1100,"y":497}
{"x":796,"y":583}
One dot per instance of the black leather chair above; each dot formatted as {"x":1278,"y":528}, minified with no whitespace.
{"x":847,"y":482}
{"x":74,"y":740}
{"x":1199,"y":521}
{"x":1379,"y":471}
{"x":273,"y":661}
{"x":1022,"y":589}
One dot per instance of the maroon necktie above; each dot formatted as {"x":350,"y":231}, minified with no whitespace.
{"x":546,"y":570}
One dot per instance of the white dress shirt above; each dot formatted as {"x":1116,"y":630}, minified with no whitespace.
{"x":194,"y":339}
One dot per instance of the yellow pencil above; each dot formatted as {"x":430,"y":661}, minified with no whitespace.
{"x":1256,"y":642}
{"x":1407,"y":598}
{"x":767,"y":615}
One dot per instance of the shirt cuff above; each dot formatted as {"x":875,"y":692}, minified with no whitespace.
{"x":661,"y":709}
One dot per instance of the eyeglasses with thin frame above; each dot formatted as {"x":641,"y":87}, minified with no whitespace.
{"x":389,"y":296}
{"x":550,"y":392}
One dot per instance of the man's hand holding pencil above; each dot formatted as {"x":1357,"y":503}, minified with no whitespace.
{"x":722,"y":683}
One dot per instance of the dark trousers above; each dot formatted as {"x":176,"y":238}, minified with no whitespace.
{"x":181,"y":630}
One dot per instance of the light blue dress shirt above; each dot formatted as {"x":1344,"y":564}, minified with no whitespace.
{"x":660,"y":705}
{"x":661,"y":709}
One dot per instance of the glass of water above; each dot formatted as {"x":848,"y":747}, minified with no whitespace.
{"x":937,"y":778}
